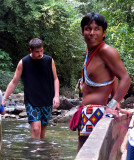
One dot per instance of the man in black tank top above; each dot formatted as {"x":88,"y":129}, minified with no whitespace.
{"x":41,"y":87}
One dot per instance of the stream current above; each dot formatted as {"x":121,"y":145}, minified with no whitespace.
{"x":60,"y":142}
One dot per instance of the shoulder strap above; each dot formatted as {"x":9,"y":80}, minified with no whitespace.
{"x":82,"y":72}
{"x":94,"y":53}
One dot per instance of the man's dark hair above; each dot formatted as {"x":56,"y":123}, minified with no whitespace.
{"x":97,"y":17}
{"x":35,"y":43}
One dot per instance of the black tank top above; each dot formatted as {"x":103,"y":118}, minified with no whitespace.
{"x":38,"y":80}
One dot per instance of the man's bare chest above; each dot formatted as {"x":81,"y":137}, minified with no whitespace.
{"x":95,"y":67}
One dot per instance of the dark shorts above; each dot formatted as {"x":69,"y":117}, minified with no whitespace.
{"x":38,"y":114}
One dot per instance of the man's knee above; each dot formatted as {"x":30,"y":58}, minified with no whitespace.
{"x":36,"y":127}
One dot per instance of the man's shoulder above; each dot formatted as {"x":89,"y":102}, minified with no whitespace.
{"x":26,"y":57}
{"x":107,"y":50}
{"x":109,"y":54}
{"x":47,"y":56}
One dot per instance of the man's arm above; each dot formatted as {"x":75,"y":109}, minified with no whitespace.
{"x":2,"y":109}
{"x":115,"y":86}
{"x":56,"y":101}
{"x":124,"y":111}
{"x":14,"y":82}
{"x":112,"y":59}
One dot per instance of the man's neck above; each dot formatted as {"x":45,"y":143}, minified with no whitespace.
{"x":91,"y":49}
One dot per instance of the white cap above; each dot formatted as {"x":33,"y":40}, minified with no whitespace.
{"x":0,"y":97}
{"x":131,"y":137}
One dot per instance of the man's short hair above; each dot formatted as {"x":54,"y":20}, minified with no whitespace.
{"x":35,"y":43}
{"x":97,"y":17}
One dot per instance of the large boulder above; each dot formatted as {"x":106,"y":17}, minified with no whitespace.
{"x":65,"y":117}
{"x":68,"y":103}
{"x":128,"y":103}
{"x":65,"y":104}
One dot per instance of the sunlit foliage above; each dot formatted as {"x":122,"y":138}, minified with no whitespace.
{"x":57,"y":23}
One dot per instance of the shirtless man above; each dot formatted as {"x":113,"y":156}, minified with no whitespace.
{"x":102,"y":65}
{"x":41,"y":87}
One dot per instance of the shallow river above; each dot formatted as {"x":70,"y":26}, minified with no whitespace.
{"x":60,"y":143}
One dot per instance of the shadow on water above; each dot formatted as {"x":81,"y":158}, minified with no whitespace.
{"x":60,"y":143}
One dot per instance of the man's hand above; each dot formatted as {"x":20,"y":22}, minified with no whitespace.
{"x":3,"y":102}
{"x":56,"y":102}
{"x":124,"y":111}
{"x":115,"y":113}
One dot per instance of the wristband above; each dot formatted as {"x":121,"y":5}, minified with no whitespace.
{"x":112,"y":104}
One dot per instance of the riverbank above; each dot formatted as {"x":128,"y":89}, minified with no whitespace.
{"x":15,"y":108}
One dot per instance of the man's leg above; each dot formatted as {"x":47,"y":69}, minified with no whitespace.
{"x":43,"y":131}
{"x":45,"y":115}
{"x":35,"y":129}
{"x":34,"y":118}
{"x":81,"y":141}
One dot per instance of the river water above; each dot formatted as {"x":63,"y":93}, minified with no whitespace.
{"x":60,"y":142}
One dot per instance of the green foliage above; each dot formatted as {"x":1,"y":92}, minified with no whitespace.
{"x":20,"y":22}
{"x":84,"y":6}
{"x":5,"y":78}
{"x":5,"y":61}
{"x":57,"y":23}
{"x":63,"y":40}
{"x":120,"y":17}
{"x":122,"y":38}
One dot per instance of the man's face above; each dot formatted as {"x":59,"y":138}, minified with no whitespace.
{"x":37,"y":53}
{"x":93,"y":34}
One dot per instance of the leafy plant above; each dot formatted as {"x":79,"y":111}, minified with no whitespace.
{"x":5,"y":61}
{"x":5,"y":78}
